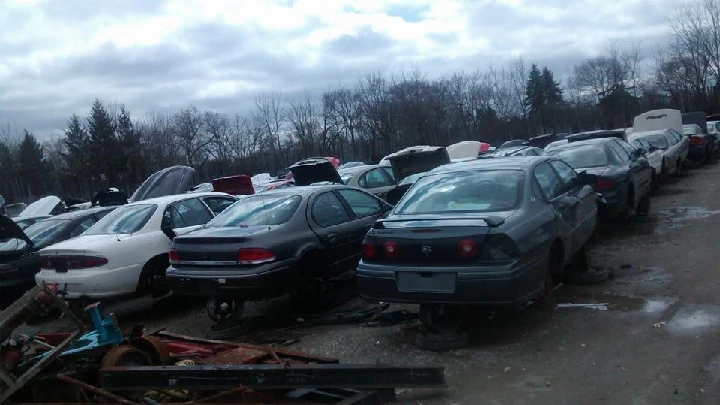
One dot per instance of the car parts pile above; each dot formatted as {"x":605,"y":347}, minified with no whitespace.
{"x":100,"y":364}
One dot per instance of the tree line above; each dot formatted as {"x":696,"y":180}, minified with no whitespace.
{"x":378,"y":115}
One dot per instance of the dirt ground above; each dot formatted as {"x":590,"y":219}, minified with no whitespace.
{"x":655,"y":341}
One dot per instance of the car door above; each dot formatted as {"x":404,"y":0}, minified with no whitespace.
{"x":366,"y":208}
{"x":564,"y":206}
{"x":641,"y":169}
{"x":586,"y":208}
{"x":377,"y":181}
{"x":335,"y":226}
{"x":186,"y":215}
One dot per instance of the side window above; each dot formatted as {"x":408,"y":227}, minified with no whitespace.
{"x":619,"y":152}
{"x":327,"y":210}
{"x":566,"y":173}
{"x":627,"y":148}
{"x":375,"y":178}
{"x":638,"y":143}
{"x":83,"y":226}
{"x":361,"y":204}
{"x":218,"y":204}
{"x":188,"y":213}
{"x":533,"y":152}
{"x":389,"y":173}
{"x":549,"y":181}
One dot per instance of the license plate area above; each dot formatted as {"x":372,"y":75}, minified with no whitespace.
{"x":426,"y":282}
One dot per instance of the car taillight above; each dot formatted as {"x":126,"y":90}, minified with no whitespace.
{"x":497,"y":248}
{"x":391,"y":249}
{"x":696,"y":140}
{"x":368,"y":249}
{"x":255,"y":256}
{"x":604,"y":184}
{"x":71,"y":262}
{"x":467,"y":249}
{"x":173,"y":256}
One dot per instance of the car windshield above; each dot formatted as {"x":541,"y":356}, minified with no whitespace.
{"x":480,"y":191}
{"x":39,"y":233}
{"x":258,"y":210}
{"x":123,"y":220}
{"x":657,"y":140}
{"x":581,"y":156}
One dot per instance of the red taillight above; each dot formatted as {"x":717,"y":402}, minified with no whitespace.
{"x":391,"y":249}
{"x":696,"y":140}
{"x":72,"y":262}
{"x":369,"y":250}
{"x":255,"y":256}
{"x":603,"y":184}
{"x":467,"y":249}
{"x":173,"y":256}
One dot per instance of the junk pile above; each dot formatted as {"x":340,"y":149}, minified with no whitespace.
{"x":98,"y":364}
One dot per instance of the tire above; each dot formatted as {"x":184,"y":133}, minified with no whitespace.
{"x":554,"y":269}
{"x":231,"y":314}
{"x":152,"y":279}
{"x":643,"y":208}
{"x":580,"y":260}
{"x":441,"y":342}
{"x":440,"y":318}
{"x":592,"y":276}
{"x":654,"y":181}
{"x":629,"y":209}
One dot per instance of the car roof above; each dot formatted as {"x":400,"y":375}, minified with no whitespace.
{"x":303,"y":190}
{"x":81,"y":213}
{"x":499,"y":163}
{"x":592,"y":141}
{"x":167,"y":199}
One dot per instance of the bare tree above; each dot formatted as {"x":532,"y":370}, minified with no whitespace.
{"x":191,"y":139}
{"x":304,"y":117}
{"x":218,"y":129}
{"x":270,"y":116}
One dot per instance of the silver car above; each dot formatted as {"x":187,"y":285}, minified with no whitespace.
{"x":376,"y":179}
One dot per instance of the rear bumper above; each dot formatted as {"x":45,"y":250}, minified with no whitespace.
{"x":94,"y":283}
{"x":490,"y":286}
{"x":256,"y":283}
{"x":612,"y":203}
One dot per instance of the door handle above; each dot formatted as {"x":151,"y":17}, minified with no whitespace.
{"x":332,"y":237}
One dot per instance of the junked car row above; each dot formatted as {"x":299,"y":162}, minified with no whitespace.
{"x":496,"y":229}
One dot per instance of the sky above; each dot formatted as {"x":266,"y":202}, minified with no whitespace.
{"x":57,"y":56}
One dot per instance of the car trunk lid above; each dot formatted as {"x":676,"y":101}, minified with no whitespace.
{"x":214,"y":246}
{"x":315,"y":170}
{"x":415,"y":161}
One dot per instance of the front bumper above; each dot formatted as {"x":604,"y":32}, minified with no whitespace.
{"x":252,"y":283}
{"x":490,"y":286}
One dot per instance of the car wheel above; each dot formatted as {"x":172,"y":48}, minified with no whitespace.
{"x":643,"y":208}
{"x":442,"y":319}
{"x":654,"y":182}
{"x":554,"y":269}
{"x":665,"y":170}
{"x":441,"y":342}
{"x":152,"y":279}
{"x":223,"y":310}
{"x":629,"y":209}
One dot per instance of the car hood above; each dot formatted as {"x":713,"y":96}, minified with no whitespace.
{"x":9,"y":230}
{"x":41,"y":207}
{"x":316,"y":170}
{"x":169,"y":181}
{"x":406,"y":163}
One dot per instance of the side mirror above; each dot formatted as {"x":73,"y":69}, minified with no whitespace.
{"x":587,"y":179}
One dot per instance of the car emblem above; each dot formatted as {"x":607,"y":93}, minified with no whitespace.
{"x":426,"y":250}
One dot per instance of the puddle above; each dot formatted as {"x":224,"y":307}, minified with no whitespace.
{"x":688,"y":320}
{"x":657,"y":306}
{"x":599,"y":307}
{"x":681,"y":214}
{"x":621,"y":303}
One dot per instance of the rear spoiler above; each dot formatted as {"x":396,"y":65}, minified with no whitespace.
{"x":491,"y":221}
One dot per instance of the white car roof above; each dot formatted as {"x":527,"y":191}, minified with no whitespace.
{"x":168,"y":199}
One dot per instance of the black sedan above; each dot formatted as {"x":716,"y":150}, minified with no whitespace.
{"x":624,"y":176}
{"x":292,"y":240}
{"x":18,"y":259}
{"x":489,"y":232}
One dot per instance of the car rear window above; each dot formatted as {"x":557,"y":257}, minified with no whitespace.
{"x":582,"y":156}
{"x":258,"y":210}
{"x":480,"y":191}
{"x":656,"y":140}
{"x":124,"y":220}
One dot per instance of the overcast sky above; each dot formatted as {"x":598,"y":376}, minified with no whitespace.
{"x":56,"y":56}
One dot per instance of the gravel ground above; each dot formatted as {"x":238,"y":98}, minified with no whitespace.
{"x":656,"y":342}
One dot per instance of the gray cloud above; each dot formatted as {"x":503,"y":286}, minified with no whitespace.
{"x":223,"y":67}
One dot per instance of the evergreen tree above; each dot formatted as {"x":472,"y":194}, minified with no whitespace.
{"x":32,"y":167}
{"x":534,"y":92}
{"x":130,"y":150}
{"x":76,"y":145}
{"x":552,"y":93}
{"x":103,"y":143}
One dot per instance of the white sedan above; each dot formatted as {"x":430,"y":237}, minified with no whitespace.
{"x":126,"y":252}
{"x":653,"y":154}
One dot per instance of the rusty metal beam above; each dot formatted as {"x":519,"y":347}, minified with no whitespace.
{"x":270,"y":376}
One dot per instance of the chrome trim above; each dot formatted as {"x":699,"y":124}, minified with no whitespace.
{"x":207,"y":262}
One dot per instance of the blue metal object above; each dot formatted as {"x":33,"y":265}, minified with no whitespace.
{"x":106,"y":332}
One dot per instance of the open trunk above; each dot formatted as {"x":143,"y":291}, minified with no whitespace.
{"x":417,"y":161}
{"x":314,"y":170}
{"x":169,"y":181}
